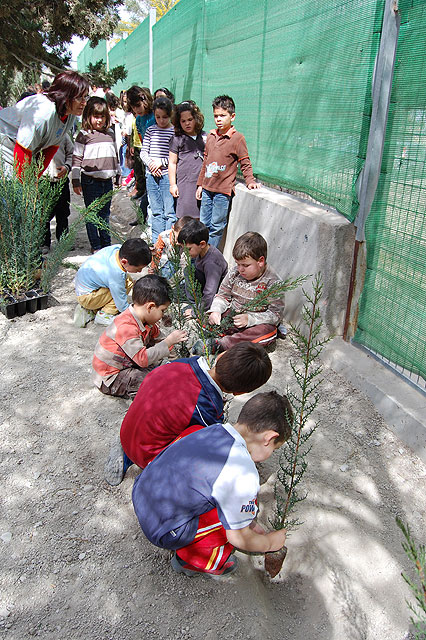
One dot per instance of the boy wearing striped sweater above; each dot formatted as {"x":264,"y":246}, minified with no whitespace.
{"x":130,"y":347}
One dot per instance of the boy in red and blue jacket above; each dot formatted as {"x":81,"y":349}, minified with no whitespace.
{"x":180,"y":394}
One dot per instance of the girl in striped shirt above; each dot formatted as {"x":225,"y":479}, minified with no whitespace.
{"x":155,"y":155}
{"x":94,"y":165}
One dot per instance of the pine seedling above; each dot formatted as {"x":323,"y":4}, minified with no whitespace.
{"x":178,"y":296}
{"x":54,"y":260}
{"x":292,"y":462}
{"x":417,"y":555}
{"x":25,"y":205}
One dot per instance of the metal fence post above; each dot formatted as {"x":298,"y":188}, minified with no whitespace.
{"x":370,"y":174}
{"x":152,"y":21}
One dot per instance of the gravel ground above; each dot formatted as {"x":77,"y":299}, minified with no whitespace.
{"x":75,"y":564}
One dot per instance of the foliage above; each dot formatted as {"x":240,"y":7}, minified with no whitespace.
{"x":24,"y":211}
{"x":292,"y":461}
{"x":162,"y":6}
{"x":46,"y":27}
{"x":55,"y":259}
{"x":14,"y":83}
{"x":178,"y":296}
{"x":418,"y":558}
{"x":97,"y":74}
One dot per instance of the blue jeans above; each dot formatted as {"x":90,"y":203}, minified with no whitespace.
{"x":214,"y":214}
{"x":94,"y":188}
{"x":161,"y":203}
{"x":122,"y":154}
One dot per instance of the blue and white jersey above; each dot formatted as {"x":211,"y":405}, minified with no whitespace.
{"x":208,"y":469}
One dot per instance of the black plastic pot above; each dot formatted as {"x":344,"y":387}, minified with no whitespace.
{"x":30,"y":302}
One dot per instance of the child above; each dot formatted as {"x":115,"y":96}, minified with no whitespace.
{"x":125,"y":118}
{"x":225,"y":148}
{"x":165,"y":93}
{"x":126,"y":352}
{"x":94,"y":164}
{"x":210,"y":265}
{"x":140,"y":101}
{"x":199,"y":496}
{"x":155,"y":155}
{"x":59,"y":167}
{"x":186,"y":157}
{"x":102,"y":284}
{"x":180,"y":394}
{"x":243,"y":283}
{"x":164,"y":247}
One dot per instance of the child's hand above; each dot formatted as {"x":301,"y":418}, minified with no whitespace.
{"x":241,"y":320}
{"x":176,"y":336}
{"x":174,"y":191}
{"x":215,"y":317}
{"x":132,"y":151}
{"x":61,"y":172}
{"x":188,"y":313}
{"x":155,"y":166}
{"x":254,"y":185}
{"x":199,"y":193}
{"x":276,"y":539}
{"x":77,"y":190}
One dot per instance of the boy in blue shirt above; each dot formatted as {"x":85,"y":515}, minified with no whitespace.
{"x":198,"y":497}
{"x":102,"y":283}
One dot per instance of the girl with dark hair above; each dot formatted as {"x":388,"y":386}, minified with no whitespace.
{"x":165,"y":93}
{"x":94,"y":164}
{"x":39,"y":122}
{"x":186,"y":157}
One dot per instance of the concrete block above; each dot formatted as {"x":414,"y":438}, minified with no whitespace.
{"x":303,"y":238}
{"x":402,"y":406}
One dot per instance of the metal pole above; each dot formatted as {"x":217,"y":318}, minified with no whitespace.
{"x":152,"y":21}
{"x":370,"y":174}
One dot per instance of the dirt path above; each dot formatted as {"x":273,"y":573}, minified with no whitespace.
{"x":74,"y":563}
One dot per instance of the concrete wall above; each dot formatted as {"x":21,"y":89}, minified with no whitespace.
{"x":303,"y":238}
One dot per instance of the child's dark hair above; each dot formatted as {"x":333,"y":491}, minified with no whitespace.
{"x":163,"y":103}
{"x":181,"y":222}
{"x":167,"y":93}
{"x":243,"y":368}
{"x":224,"y":102}
{"x":250,"y":245}
{"x":140,"y":94}
{"x":95,"y":107}
{"x":112,"y":101}
{"x":136,"y":252}
{"x":194,"y":232}
{"x":151,"y":288}
{"x":268,"y":411}
{"x":123,"y":99}
{"x":188,"y":105}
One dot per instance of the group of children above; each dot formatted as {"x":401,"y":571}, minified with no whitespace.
{"x":198,"y":489}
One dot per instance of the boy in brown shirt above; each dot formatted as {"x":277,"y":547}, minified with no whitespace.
{"x":225,"y":148}
{"x":243,"y":283}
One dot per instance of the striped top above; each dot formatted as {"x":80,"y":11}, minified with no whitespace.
{"x":126,"y":343}
{"x":95,"y":154}
{"x":156,"y":145}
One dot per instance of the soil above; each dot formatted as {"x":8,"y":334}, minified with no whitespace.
{"x":75,"y":565}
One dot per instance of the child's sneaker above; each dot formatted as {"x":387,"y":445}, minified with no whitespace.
{"x":212,"y":345}
{"x":180,"y":566}
{"x":104,"y":318}
{"x":82,"y":316}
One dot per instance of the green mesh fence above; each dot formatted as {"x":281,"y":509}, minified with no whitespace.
{"x":392,"y":318}
{"x":89,"y":55}
{"x":300,"y":73}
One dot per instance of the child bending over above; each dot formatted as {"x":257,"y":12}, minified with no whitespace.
{"x":210,"y":265}
{"x":126,"y":351}
{"x":251,"y":276}
{"x":102,"y":283}
{"x":180,"y":394}
{"x":203,"y":515}
{"x":225,"y":148}
{"x":164,"y":247}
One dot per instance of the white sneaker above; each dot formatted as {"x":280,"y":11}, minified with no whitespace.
{"x":82,"y":316}
{"x":104,"y":318}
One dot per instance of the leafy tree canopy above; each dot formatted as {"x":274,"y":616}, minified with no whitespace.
{"x":98,"y":74}
{"x":37,"y":32}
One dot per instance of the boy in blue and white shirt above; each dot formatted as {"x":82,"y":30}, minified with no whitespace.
{"x":199,"y":495}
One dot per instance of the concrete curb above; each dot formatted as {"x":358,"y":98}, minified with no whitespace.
{"x":400,"y":404}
